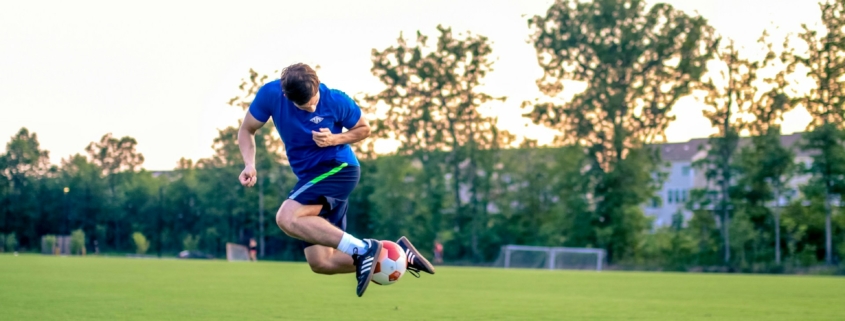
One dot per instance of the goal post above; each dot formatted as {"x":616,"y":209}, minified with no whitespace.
{"x":552,"y":258}
{"x":236,"y":252}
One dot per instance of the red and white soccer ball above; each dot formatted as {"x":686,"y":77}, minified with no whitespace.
{"x":390,"y":265}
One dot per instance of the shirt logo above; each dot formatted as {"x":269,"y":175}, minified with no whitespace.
{"x":316,"y":119}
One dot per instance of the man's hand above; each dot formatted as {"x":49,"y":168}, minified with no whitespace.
{"x":323,"y":138}
{"x":249,"y":176}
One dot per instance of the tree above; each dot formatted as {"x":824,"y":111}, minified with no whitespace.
{"x":535,"y":208}
{"x":432,"y":99}
{"x":824,"y":61}
{"x":5,"y":195}
{"x":23,"y":164}
{"x":767,"y":165}
{"x":636,"y":64}
{"x":24,"y":156}
{"x":114,"y":156}
{"x":270,"y":158}
{"x":728,"y":94}
{"x":86,"y":200}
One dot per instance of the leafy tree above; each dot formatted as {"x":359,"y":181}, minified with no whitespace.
{"x":77,"y":242}
{"x":190,"y":243}
{"x":825,"y":64}
{"x":767,"y":166}
{"x":269,"y":159}
{"x":86,"y":200}
{"x":113,"y":156}
{"x":10,"y":242}
{"x":535,"y":208}
{"x":728,"y":94}
{"x":432,"y":100}
{"x":24,"y":163}
{"x":141,"y":243}
{"x":5,"y":196}
{"x":24,"y":156}
{"x":636,"y":64}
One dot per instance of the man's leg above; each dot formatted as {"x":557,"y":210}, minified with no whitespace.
{"x":302,"y":222}
{"x":315,"y":213}
{"x":326,"y":260}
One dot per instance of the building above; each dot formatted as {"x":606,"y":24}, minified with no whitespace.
{"x":683,"y":177}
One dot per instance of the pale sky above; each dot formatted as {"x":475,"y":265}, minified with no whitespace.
{"x":162,"y":71}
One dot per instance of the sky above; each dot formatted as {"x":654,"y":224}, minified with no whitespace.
{"x":162,"y":71}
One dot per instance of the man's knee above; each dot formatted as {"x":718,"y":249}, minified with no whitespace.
{"x":285,"y":217}
{"x":322,"y":266}
{"x":290,"y":210}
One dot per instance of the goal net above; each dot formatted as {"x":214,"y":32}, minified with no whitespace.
{"x":562,"y":258}
{"x":55,"y":244}
{"x":236,"y":252}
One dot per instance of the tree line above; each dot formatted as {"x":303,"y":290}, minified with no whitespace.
{"x":458,"y":179}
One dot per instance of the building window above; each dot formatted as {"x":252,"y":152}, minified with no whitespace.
{"x":669,"y":198}
{"x":685,"y":171}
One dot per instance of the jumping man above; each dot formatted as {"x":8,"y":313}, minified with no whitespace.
{"x":310,"y":118}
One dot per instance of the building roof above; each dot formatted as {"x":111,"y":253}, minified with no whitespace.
{"x":677,"y":152}
{"x":686,"y":151}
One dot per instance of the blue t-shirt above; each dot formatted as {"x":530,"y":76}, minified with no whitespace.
{"x":335,"y":111}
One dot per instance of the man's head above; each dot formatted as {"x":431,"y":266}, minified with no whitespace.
{"x":302,"y":86}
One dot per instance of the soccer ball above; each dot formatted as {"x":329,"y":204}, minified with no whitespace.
{"x":390,"y":265}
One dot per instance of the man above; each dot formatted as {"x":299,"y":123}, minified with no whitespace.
{"x":310,"y":118}
{"x":253,"y":249}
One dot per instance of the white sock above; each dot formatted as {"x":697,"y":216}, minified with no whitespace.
{"x":349,"y":244}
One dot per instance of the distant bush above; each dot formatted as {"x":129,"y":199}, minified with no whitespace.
{"x":191,"y":243}
{"x":9,"y":242}
{"x":100,"y":234}
{"x":77,"y":242}
{"x":50,"y":243}
{"x":141,"y":243}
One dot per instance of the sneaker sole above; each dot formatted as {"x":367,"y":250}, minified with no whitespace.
{"x":425,"y":261}
{"x":372,"y":270}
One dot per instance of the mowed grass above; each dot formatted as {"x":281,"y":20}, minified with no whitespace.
{"x":34,"y":287}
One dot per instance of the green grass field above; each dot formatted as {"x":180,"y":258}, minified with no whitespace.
{"x":34,"y":287}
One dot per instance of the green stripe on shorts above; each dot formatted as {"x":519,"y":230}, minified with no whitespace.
{"x":318,"y":179}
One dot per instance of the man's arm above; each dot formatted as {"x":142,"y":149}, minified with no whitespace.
{"x":246,"y":142}
{"x":355,"y":134}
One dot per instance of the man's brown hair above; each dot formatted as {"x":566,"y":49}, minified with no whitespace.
{"x":300,"y":83}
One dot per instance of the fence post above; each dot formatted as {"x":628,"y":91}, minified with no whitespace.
{"x":600,"y":260}
{"x":507,"y":256}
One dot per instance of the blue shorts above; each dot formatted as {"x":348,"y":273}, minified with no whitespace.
{"x":328,"y":184}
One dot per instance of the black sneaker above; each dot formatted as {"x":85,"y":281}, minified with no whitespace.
{"x":416,"y":262}
{"x":364,"y":264}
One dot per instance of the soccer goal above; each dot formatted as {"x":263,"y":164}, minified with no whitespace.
{"x":55,"y":244}
{"x":236,"y":252}
{"x":538,"y":257}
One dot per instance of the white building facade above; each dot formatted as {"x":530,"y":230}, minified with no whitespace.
{"x":683,"y":177}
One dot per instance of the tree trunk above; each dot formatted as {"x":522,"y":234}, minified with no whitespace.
{"x":474,"y":219}
{"x":828,"y":251}
{"x":726,"y":220}
{"x":160,"y":218}
{"x":261,"y":217}
{"x":777,"y":235}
